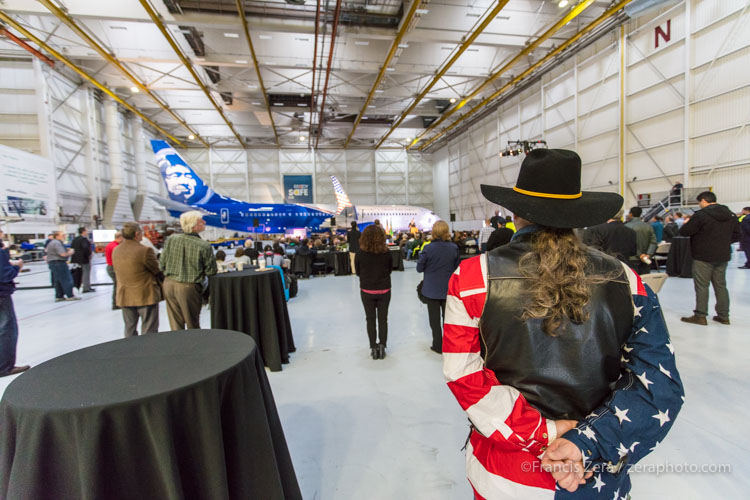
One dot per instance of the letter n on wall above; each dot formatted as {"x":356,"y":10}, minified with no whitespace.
{"x":666,"y":36}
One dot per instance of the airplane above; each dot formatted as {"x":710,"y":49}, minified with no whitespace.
{"x":394,"y":217}
{"x":187,"y":191}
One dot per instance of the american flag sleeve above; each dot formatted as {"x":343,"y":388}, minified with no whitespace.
{"x":647,"y":397}
{"x":498,"y":412}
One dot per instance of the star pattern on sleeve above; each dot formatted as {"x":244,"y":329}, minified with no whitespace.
{"x":622,"y":414}
{"x":662,"y":417}
{"x":645,"y":381}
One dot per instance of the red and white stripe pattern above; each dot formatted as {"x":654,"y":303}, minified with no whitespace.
{"x":342,"y":200}
{"x":510,"y":435}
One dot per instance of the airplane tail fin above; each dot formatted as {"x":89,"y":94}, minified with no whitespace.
{"x":342,"y":200}
{"x":183,"y":184}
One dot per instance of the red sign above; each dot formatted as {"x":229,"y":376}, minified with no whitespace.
{"x":658,"y":32}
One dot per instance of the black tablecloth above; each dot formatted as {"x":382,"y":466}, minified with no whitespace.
{"x":680,"y":259}
{"x":338,"y":261}
{"x":253,"y":302}
{"x":398,"y":259}
{"x":166,"y":415}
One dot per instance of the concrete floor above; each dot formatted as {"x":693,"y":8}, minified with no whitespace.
{"x":359,"y":428}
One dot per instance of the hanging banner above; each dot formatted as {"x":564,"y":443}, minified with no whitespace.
{"x":298,"y":189}
{"x":26,"y":184}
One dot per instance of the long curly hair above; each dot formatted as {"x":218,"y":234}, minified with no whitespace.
{"x":373,"y":240}
{"x":560,"y":288}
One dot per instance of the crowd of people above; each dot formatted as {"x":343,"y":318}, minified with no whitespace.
{"x":551,"y":342}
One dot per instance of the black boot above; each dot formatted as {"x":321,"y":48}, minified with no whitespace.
{"x":381,"y":351}
{"x":375,"y":352}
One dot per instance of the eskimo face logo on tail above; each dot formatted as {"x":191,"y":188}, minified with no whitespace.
{"x":182,"y":183}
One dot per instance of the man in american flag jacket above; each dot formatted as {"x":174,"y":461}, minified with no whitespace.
{"x":523,"y":392}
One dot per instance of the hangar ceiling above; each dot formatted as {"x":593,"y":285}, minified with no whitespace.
{"x":301,"y":73}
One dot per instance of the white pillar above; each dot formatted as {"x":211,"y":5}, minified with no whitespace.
{"x":688,"y":82}
{"x":116,"y":167}
{"x":139,"y":155}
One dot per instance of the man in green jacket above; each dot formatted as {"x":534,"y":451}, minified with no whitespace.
{"x":645,"y":242}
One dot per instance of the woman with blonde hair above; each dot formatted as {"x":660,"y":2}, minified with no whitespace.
{"x":437,"y":261}
{"x":373,"y":265}
{"x":558,"y":353}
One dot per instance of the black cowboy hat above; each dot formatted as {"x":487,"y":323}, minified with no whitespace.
{"x":548,"y":192}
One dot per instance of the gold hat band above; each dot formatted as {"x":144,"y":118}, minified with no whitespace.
{"x":548,"y":195}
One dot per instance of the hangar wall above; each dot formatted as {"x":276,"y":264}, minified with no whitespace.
{"x":578,"y":106}
{"x":48,"y":114}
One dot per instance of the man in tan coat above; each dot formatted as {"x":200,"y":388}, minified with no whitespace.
{"x":138,"y":291}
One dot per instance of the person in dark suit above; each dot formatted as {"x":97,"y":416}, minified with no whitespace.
{"x":352,"y":238}
{"x":497,"y":221}
{"x":671,"y":229}
{"x":138,"y":291}
{"x":745,"y":236}
{"x":499,"y":237}
{"x":82,"y":256}
{"x":613,"y":238}
{"x":437,"y":261}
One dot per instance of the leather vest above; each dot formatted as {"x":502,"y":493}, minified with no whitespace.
{"x":569,"y":375}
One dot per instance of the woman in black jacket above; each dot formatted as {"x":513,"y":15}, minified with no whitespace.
{"x":373,"y":265}
{"x":437,"y":261}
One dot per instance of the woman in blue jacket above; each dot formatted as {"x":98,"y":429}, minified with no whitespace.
{"x":437,"y":261}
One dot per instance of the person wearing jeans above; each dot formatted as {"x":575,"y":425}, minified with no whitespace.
{"x":437,"y":261}
{"x":57,"y":260}
{"x":712,"y":230}
{"x":8,"y":323}
{"x":373,"y":265}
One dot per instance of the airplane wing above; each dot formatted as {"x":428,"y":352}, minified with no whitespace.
{"x":177,"y":206}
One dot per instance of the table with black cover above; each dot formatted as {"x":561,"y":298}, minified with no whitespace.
{"x":338,"y":261}
{"x":680,"y":258}
{"x":398,"y":259}
{"x":252,"y":302}
{"x":170,"y":415}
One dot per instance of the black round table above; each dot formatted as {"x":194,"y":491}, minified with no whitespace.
{"x":166,"y":415}
{"x":680,"y":258}
{"x":338,"y":261}
{"x":398,"y":259}
{"x":253,"y":302}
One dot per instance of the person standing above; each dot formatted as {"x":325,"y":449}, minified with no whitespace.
{"x":745,"y":236}
{"x":9,"y":269}
{"x":499,"y":237}
{"x":373,"y":265}
{"x":437,"y":261}
{"x":712,"y":230}
{"x":658,"y":225}
{"x":613,"y":238}
{"x":484,"y":235}
{"x":645,"y":241}
{"x":574,"y":360}
{"x":138,"y":292}
{"x":82,"y":256}
{"x":509,"y":223}
{"x":110,"y":269}
{"x":352,"y":238}
{"x":497,"y":221}
{"x":57,"y":260}
{"x":671,"y":229}
{"x":186,"y":261}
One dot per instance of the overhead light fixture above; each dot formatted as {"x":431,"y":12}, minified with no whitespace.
{"x":421,"y":11}
{"x":380,"y":91}
{"x":343,"y":105}
{"x":240,"y":61}
{"x":452,"y":100}
{"x":278,"y":104}
{"x":231,"y":35}
{"x":191,"y":137}
{"x":201,"y":59}
{"x":372,"y":106}
{"x":256,"y":104}
{"x":390,"y":69}
{"x":563,"y":3}
{"x":134,"y":90}
{"x":302,"y":138}
{"x":403,"y":45}
{"x":361,"y":42}
{"x":265,"y":37}
{"x":302,"y":105}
